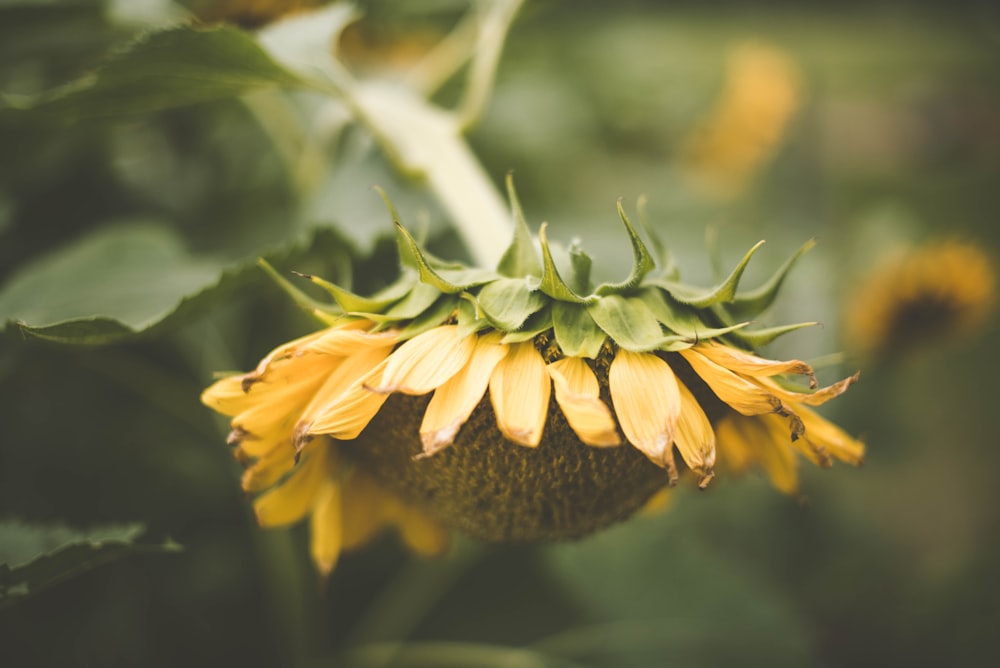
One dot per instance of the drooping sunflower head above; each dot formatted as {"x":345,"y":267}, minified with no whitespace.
{"x":930,"y":294}
{"x":521,"y":403}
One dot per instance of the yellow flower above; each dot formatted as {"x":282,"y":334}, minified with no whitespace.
{"x":514,"y":409}
{"x":942,"y":290}
{"x":760,"y":96}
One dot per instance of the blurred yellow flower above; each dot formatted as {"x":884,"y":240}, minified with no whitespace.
{"x":761,"y":94}
{"x":944,"y":289}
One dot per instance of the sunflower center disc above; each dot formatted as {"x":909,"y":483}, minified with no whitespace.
{"x":499,"y":491}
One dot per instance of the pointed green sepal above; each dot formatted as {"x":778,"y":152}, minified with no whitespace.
{"x":642,"y":262}
{"x":520,"y":259}
{"x":628,"y":321}
{"x":314,"y":307}
{"x":753,"y":302}
{"x":418,"y":300}
{"x":469,"y":317}
{"x":762,"y":337}
{"x":576,"y":332}
{"x":448,"y":281}
{"x":580,"y":263}
{"x":536,"y":324}
{"x":439,"y":312}
{"x":509,"y":302}
{"x":683,"y":321}
{"x":349,"y":301}
{"x":668,"y":267}
{"x":552,"y":284}
{"x":724,"y":292}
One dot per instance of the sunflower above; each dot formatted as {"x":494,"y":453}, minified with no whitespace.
{"x":942,"y":290}
{"x":516,"y":405}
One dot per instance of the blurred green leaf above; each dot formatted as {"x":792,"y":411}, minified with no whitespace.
{"x":33,"y":557}
{"x":126,"y":279}
{"x":167,"y":69}
{"x":117,"y":281}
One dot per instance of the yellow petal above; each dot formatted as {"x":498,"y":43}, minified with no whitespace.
{"x":426,"y":361}
{"x":453,"y":402}
{"x":269,"y":469}
{"x":647,"y":401}
{"x":658,"y":503}
{"x":747,"y":441}
{"x":326,"y":529}
{"x":420,"y":533}
{"x":226,"y":396}
{"x":363,"y":510}
{"x":741,"y":394}
{"x":344,"y":406}
{"x":817,"y":398}
{"x":297,"y":494}
{"x":578,"y":395}
{"x":520,"y":389}
{"x":347,"y":342}
{"x":694,"y":437}
{"x":821,"y":433}
{"x":743,"y":362}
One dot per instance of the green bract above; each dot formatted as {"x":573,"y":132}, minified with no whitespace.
{"x":540,"y":287}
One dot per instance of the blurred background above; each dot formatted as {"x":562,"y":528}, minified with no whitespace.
{"x":872,"y":127}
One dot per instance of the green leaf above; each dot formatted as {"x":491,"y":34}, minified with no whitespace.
{"x":520,"y":259}
{"x":576,"y":332}
{"x":552,"y":283}
{"x":724,"y":292}
{"x":34,"y":557}
{"x":135,"y":278}
{"x":642,"y":261}
{"x":753,"y":302}
{"x":628,"y":321}
{"x":173,"y":68}
{"x":118,"y":281}
{"x":508,"y":302}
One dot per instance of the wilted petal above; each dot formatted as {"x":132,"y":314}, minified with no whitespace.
{"x":817,"y":398}
{"x":520,"y":389}
{"x":822,"y":433}
{"x":578,"y":396}
{"x":426,"y":361}
{"x":746,"y":363}
{"x":740,"y":393}
{"x":453,"y":402}
{"x":297,"y":494}
{"x":647,"y":401}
